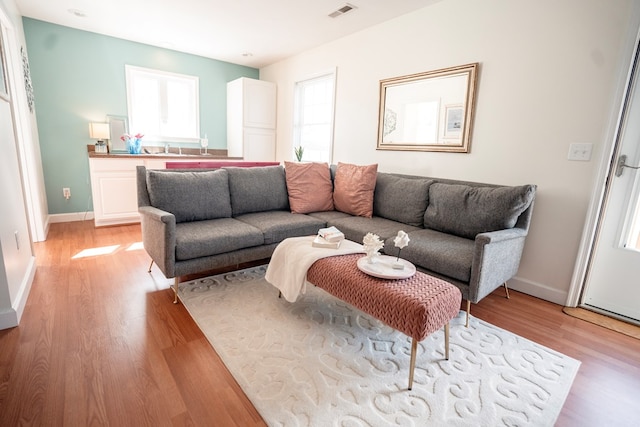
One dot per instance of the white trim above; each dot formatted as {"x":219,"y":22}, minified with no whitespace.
{"x":131,"y":70}
{"x":329,"y":72}
{"x":25,"y":288}
{"x":10,"y":318}
{"x":580,"y":271}
{"x":26,"y":136}
{"x":538,"y":290}
{"x":70,"y":217}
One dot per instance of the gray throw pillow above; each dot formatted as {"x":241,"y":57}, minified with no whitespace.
{"x":467,"y":211}
{"x":401,"y":199}
{"x":258,"y":189}
{"x":190,"y":196}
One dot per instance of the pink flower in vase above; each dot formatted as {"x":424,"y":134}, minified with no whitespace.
{"x":134,"y":143}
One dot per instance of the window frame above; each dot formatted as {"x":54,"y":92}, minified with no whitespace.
{"x":166,"y":76}
{"x":298,"y":106}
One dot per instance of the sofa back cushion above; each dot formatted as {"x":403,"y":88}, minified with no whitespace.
{"x":190,"y":196}
{"x":309,"y":187}
{"x":353,"y":189}
{"x":401,"y":199}
{"x":466,"y":211}
{"x":257,"y":189}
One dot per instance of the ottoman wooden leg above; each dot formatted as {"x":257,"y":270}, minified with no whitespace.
{"x":446,"y":341}
{"x":468,"y":310}
{"x":412,"y":363}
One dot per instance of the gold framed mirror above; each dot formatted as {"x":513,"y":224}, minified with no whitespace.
{"x":430,"y":111}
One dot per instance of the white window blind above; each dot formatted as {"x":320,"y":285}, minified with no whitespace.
{"x":163,"y":106}
{"x":313,"y":119}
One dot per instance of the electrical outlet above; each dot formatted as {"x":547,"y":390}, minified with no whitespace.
{"x":66,"y":193}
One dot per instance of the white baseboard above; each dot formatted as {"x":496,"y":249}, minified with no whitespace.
{"x":25,"y":288}
{"x":538,"y":290}
{"x":70,"y":217}
{"x":10,"y":318}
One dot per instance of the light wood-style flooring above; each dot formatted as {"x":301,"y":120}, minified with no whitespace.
{"x":100,"y":343}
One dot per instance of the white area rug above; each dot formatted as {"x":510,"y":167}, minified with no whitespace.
{"x":320,"y":362}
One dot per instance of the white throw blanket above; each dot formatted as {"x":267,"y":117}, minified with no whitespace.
{"x":291,"y":259}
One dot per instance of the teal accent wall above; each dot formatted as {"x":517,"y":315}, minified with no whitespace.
{"x":79,"y":77}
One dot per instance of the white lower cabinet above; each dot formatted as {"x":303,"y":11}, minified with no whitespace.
{"x":114,"y":188}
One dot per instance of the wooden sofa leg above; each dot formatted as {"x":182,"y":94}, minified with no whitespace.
{"x":466,"y":325}
{"x":506,"y":290}
{"x":150,"y":265}
{"x":412,"y":363}
{"x":175,"y":289}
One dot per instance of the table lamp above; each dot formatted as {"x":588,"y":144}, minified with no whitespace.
{"x":99,"y":131}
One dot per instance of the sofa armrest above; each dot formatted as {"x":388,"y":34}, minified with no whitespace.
{"x":159,"y":237}
{"x":496,"y":259}
{"x":500,"y":236}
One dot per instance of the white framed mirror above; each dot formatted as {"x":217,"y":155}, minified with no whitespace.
{"x":430,"y":111}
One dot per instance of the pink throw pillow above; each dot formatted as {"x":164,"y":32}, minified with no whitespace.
{"x":309,"y":186}
{"x":353,"y":189}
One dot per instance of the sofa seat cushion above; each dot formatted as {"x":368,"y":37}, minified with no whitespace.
{"x":441,"y":253}
{"x":190,"y":196}
{"x":215,"y":236}
{"x":257,"y":189}
{"x":279,"y":225}
{"x":328,"y":216}
{"x":466,"y":211}
{"x":401,"y":199}
{"x":355,"y":227}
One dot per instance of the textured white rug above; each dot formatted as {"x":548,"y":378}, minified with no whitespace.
{"x":320,"y":362}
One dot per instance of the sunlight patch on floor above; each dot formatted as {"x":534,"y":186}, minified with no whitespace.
{"x":105,"y":250}
{"x":135,"y":247}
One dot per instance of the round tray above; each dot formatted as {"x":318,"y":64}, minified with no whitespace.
{"x":383,"y":267}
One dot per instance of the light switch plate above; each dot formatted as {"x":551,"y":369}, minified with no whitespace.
{"x":580,"y":152}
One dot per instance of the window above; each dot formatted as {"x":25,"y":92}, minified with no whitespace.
{"x":313,"y":119}
{"x":163,"y":106}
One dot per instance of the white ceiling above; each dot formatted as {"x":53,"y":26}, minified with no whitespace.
{"x":228,"y":30}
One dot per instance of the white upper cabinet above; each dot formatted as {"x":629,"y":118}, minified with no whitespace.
{"x":251,"y":106}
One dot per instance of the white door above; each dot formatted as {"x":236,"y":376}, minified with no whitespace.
{"x":613,"y":279}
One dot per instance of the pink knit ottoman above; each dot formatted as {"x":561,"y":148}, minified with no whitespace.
{"x":416,"y":306}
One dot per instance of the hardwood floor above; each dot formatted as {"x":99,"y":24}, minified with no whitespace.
{"x":100,"y":343}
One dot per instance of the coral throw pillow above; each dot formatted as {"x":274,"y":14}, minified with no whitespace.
{"x":353,"y":189}
{"x":309,"y":186}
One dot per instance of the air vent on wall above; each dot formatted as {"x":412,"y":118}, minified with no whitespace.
{"x":344,"y":9}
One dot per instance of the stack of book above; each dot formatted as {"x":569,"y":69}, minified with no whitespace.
{"x":329,"y":237}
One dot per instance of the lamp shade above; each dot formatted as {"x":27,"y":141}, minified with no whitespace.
{"x":99,"y":130}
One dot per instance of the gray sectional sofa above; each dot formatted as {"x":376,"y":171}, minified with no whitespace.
{"x":470,"y":234}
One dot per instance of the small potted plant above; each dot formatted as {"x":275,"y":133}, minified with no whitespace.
{"x":299,"y":150}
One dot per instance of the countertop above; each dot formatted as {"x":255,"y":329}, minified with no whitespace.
{"x":187,"y":154}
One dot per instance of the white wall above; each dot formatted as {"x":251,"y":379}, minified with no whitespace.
{"x":549,"y":76}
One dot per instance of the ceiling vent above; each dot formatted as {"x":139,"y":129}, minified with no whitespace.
{"x":344,"y":9}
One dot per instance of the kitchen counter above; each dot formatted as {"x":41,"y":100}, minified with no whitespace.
{"x":187,"y":154}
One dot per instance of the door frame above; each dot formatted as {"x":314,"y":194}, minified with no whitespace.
{"x":629,"y":70}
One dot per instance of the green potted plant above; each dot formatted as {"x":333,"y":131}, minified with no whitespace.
{"x":299,"y":150}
